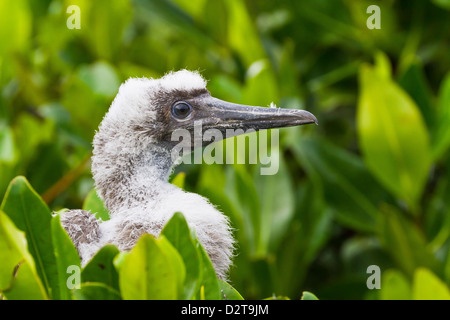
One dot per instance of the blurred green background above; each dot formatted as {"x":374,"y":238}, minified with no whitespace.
{"x":368,"y":186}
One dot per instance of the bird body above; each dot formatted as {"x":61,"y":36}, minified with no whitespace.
{"x":133,"y":159}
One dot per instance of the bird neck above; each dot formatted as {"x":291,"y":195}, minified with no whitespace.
{"x":132,"y":180}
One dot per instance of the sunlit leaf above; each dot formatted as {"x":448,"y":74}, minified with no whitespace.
{"x":31,"y":215}
{"x":146,"y":273}
{"x":306,"y":295}
{"x":15,"y":25}
{"x":392,"y":136}
{"x":209,"y":289}
{"x":18,"y":276}
{"x":228,"y":292}
{"x":66,"y":255}
{"x":427,"y":286}
{"x":395,"y":286}
{"x":8,"y":152}
{"x":242,"y":35}
{"x":95,"y":205}
{"x":178,"y":233}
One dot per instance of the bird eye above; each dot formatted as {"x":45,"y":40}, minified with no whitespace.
{"x":181,"y":110}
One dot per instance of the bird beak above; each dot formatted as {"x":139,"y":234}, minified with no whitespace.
{"x":225,"y":115}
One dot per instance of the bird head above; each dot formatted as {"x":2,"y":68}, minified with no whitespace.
{"x":149,"y":111}
{"x":134,"y":144}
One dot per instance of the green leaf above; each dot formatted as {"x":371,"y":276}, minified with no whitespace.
{"x":95,"y":205}
{"x":427,"y":286}
{"x":261,"y":86}
{"x":95,"y":291}
{"x":178,"y":233}
{"x":32,"y":216}
{"x":241,"y":191}
{"x":414,"y":82}
{"x":228,"y":292}
{"x":101,"y":268}
{"x":15,"y":26}
{"x":308,"y":296}
{"x":146,"y":273}
{"x":442,"y":3}
{"x":178,"y":180}
{"x":209,"y":289}
{"x":441,"y":134}
{"x":18,"y":276}
{"x":242,"y":34}
{"x":392,"y":135}
{"x":104,"y":39}
{"x":101,"y":77}
{"x":8,"y":152}
{"x":176,"y":261}
{"x":66,"y":255}
{"x":347,"y":185}
{"x":404,"y":242}
{"x":395,"y":286}
{"x":277,"y":205}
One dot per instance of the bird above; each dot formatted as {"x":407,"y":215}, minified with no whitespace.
{"x":132,"y":161}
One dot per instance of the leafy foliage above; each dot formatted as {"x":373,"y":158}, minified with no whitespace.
{"x":368,"y":186}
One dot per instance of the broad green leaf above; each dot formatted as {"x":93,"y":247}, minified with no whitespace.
{"x":96,"y":291}
{"x":215,"y":17}
{"x":242,"y":35}
{"x":32,"y":216}
{"x":8,"y":152}
{"x":95,"y":205}
{"x":442,"y":3}
{"x":306,"y":295}
{"x":392,"y":136}
{"x":146,"y":273}
{"x":441,"y":133}
{"x":101,"y":77}
{"x":178,"y":233}
{"x":66,"y":255}
{"x":176,"y":261}
{"x":193,"y":8}
{"x":404,"y":242}
{"x":101,"y":268}
{"x":18,"y":276}
{"x":15,"y":26}
{"x":228,"y":292}
{"x":209,"y":288}
{"x":427,"y":286}
{"x":178,"y":180}
{"x":382,"y":65}
{"x":395,"y":286}
{"x":261,"y":86}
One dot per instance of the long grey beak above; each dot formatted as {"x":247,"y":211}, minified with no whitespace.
{"x":226,"y":115}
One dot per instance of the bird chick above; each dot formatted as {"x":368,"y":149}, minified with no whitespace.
{"x":133,"y":159}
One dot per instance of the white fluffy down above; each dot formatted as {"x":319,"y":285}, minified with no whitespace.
{"x":134,"y":93}
{"x":143,"y":199}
